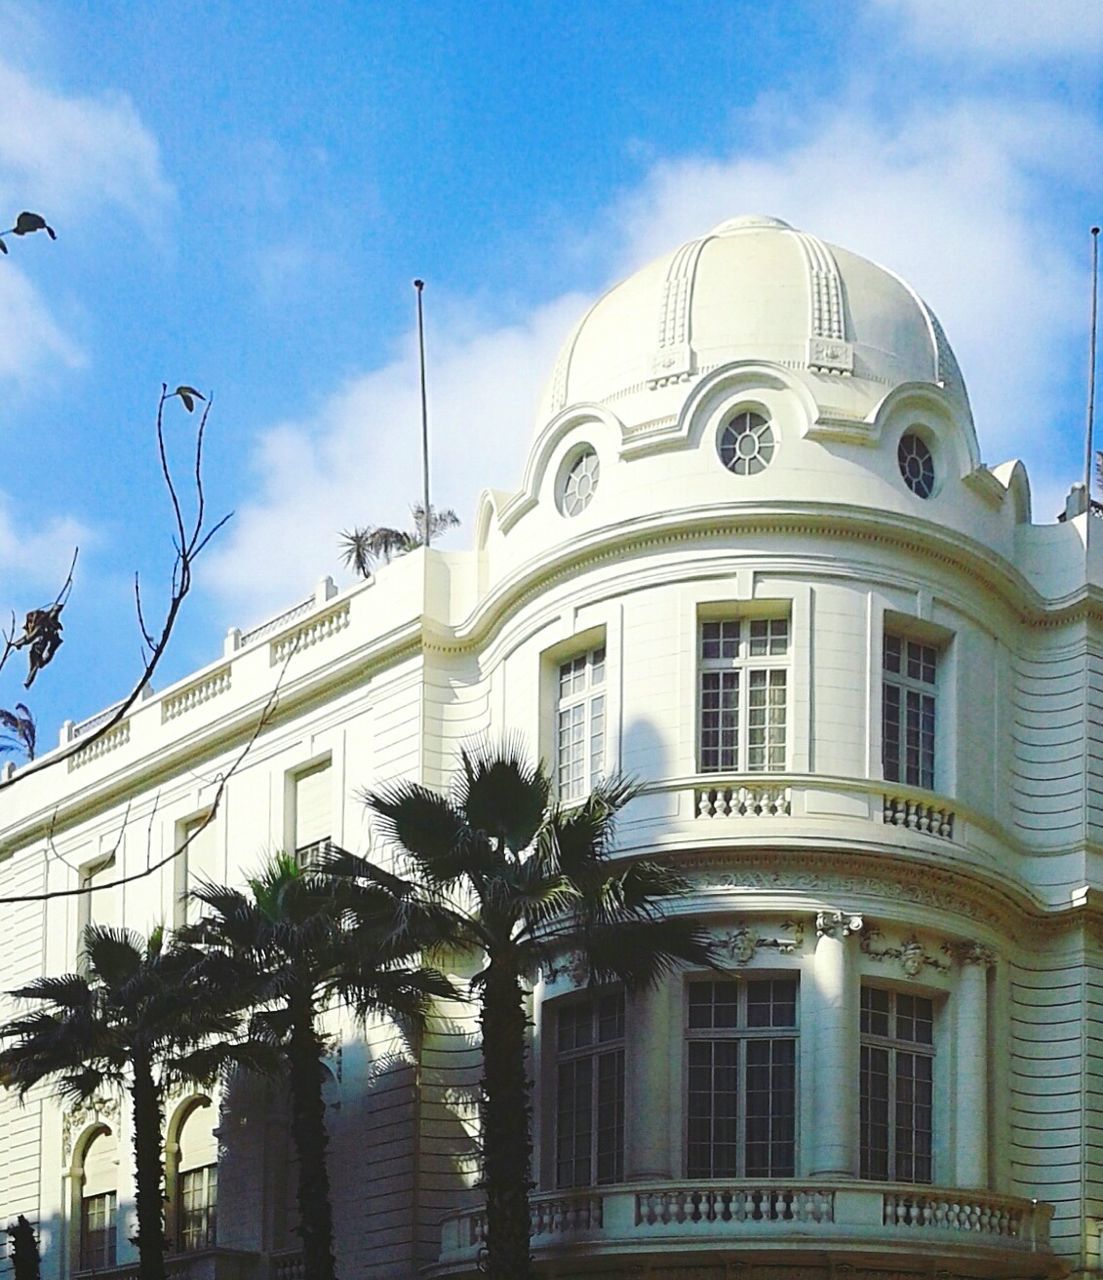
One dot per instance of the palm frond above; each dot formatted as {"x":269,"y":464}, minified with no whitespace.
{"x":425,"y":824}
{"x":501,"y":792}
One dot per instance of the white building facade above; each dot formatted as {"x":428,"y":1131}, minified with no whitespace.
{"x":755,"y":561}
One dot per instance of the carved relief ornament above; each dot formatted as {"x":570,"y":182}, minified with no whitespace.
{"x":99,"y":1109}
{"x":740,"y":944}
{"x":837,"y":924}
{"x":910,"y":954}
{"x":970,"y":952}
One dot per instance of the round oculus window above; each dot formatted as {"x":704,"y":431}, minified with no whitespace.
{"x":747,"y":444}
{"x":916,"y":464}
{"x":580,"y":484}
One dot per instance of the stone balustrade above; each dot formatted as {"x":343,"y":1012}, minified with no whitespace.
{"x":915,"y":815}
{"x":995,"y":1231}
{"x":743,"y":800}
{"x":195,"y":694}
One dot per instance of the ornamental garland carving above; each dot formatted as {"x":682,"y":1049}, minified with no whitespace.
{"x":910,"y":955}
{"x":99,"y":1109}
{"x":740,"y":944}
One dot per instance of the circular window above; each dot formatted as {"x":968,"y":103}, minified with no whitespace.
{"x":580,"y":484}
{"x":747,"y":444}
{"x":916,"y":464}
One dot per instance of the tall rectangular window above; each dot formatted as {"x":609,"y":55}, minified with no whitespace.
{"x":197,"y":859}
{"x":908,"y":711}
{"x":199,"y":1207}
{"x":589,"y":1091}
{"x":313,"y":811}
{"x":580,"y":724}
{"x":741,"y":1101}
{"x":97,"y":1231}
{"x":101,"y":901}
{"x":897,"y":1086}
{"x":742,"y":695}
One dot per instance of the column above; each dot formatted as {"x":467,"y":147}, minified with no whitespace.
{"x":970,"y":1023}
{"x":649,"y":1112}
{"x":834,"y":1048}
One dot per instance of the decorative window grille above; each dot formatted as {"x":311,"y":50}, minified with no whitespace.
{"x":916,"y":464}
{"x":908,"y":711}
{"x":897,"y":1083}
{"x":580,"y":724}
{"x":747,"y":444}
{"x":743,"y":695}
{"x":580,"y":483}
{"x":741,"y":1102}
{"x":589,"y":1091}
{"x":97,"y":1231}
{"x":313,"y":811}
{"x":199,"y":1208}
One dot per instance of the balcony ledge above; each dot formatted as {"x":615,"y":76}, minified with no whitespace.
{"x":975,"y":1232}
{"x":215,"y":1263}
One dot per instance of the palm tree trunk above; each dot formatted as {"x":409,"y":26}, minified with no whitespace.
{"x":308,"y":1132}
{"x":146,"y":1104}
{"x":507,"y":1140}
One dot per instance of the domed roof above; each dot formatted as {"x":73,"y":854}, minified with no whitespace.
{"x":754,"y":288}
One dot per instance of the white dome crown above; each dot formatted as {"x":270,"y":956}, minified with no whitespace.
{"x":753,"y":288}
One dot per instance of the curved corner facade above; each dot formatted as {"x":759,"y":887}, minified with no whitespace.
{"x":756,"y":562}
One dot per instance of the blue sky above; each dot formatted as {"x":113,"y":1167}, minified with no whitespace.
{"x":243,"y":193}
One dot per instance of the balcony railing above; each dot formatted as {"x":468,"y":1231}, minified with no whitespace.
{"x":783,"y":1215}
{"x":215,"y":1263}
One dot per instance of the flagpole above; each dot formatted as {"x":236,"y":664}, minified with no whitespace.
{"x":419,"y":285}
{"x":1089,"y":460}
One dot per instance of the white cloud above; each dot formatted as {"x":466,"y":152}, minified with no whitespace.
{"x":358,"y":460}
{"x":69,"y":155}
{"x":960,"y":201}
{"x":35,"y":557}
{"x":29,"y":336}
{"x":1005,"y":30}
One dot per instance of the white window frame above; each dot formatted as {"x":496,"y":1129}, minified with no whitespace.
{"x":581,"y":720}
{"x":909,"y":686}
{"x":897,"y":1049}
{"x":741,"y":1036}
{"x":742,"y":664}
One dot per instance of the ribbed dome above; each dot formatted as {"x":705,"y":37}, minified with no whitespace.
{"x":754,"y":288}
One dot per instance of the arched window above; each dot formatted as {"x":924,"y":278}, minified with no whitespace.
{"x":98,"y":1202}
{"x":197,"y":1178}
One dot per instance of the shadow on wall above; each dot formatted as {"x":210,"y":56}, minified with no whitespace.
{"x":647,"y":757}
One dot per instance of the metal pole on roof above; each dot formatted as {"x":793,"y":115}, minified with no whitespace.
{"x":1089,"y":459}
{"x":419,"y":285}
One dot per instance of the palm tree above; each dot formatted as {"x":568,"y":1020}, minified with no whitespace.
{"x":20,"y":732}
{"x":295,"y":944}
{"x":130,"y":1022}
{"x":522,"y":879}
{"x":363,"y":546}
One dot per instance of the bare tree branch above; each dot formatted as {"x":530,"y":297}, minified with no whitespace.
{"x":266,"y":716}
{"x":189,"y":540}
